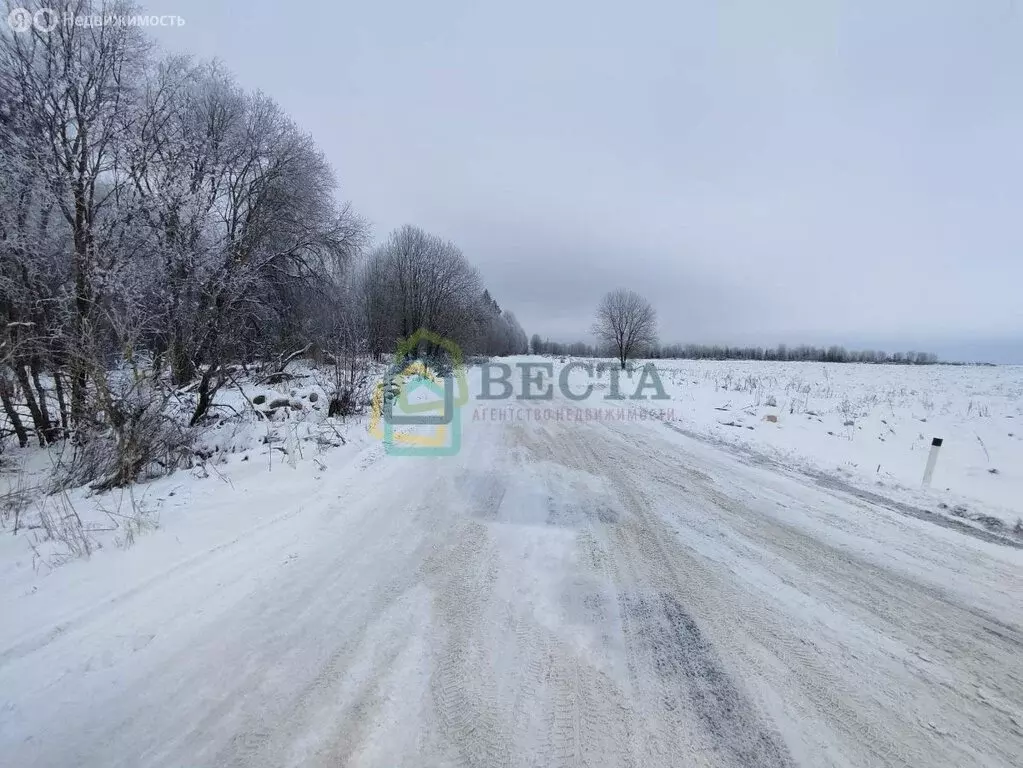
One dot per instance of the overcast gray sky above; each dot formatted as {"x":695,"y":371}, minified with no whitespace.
{"x":810,"y":171}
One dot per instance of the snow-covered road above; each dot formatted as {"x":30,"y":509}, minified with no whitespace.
{"x":606,"y":593}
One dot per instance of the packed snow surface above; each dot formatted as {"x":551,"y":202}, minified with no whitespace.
{"x":596,"y":591}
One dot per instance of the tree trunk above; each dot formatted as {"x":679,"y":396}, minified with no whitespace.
{"x":207,"y":391}
{"x":41,"y":426}
{"x":12,"y":413}
{"x":58,"y":385}
{"x":78,"y":382}
{"x":81,"y":269}
{"x":182,"y":367}
{"x":44,"y":410}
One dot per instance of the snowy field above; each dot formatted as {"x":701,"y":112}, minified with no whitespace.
{"x":603,"y":591}
{"x":871,"y":425}
{"x":874,"y":424}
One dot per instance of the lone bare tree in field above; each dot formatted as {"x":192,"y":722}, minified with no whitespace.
{"x":625,"y":322}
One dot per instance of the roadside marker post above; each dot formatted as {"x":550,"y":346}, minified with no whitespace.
{"x":932,"y":459}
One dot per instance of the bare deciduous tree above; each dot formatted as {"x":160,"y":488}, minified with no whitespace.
{"x":425,"y":282}
{"x":417,"y":280}
{"x":71,"y":89}
{"x":626,"y":322}
{"x":159,"y":225}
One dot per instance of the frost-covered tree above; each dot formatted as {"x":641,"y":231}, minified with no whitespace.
{"x":240,"y":207}
{"x":158,"y":219}
{"x":626,"y":323}
{"x":69,"y":94}
{"x":152,"y":214}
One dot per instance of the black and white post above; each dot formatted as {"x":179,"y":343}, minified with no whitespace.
{"x":932,"y":459}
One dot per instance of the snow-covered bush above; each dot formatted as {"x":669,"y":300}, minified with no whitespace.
{"x":143,"y":438}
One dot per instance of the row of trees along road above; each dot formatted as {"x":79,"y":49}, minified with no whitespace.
{"x":160,"y":225}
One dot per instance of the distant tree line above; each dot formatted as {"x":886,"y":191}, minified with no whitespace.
{"x":540,"y":346}
{"x":625,"y":327}
{"x":782,"y":352}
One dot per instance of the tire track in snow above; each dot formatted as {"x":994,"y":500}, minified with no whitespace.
{"x":462,"y":684}
{"x":664,"y":644}
{"x":854,"y":681}
{"x":688,"y":665}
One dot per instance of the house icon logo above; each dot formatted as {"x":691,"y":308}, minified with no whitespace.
{"x":417,"y":405}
